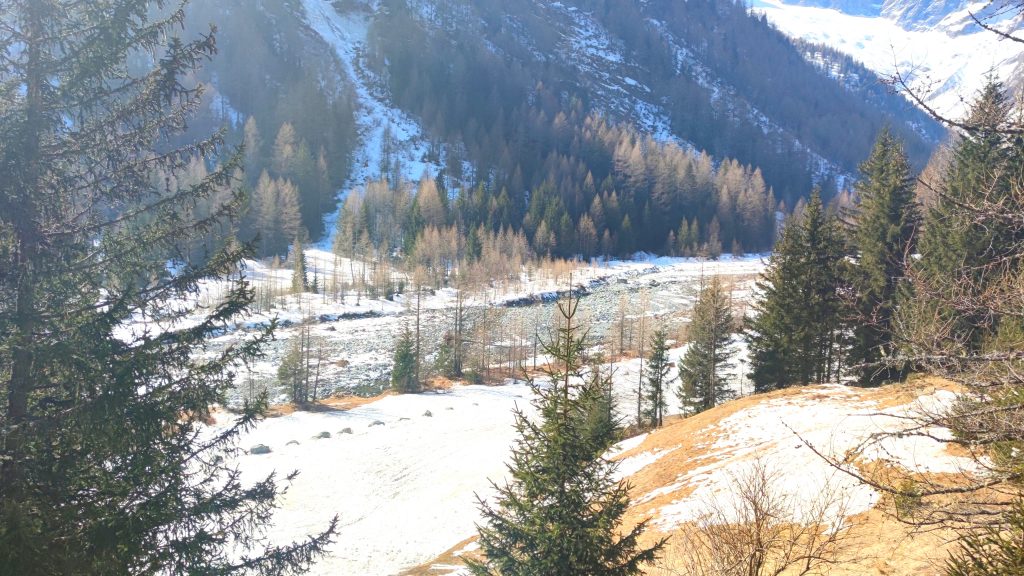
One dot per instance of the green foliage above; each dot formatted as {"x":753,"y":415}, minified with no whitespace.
{"x":656,"y":372}
{"x":702,"y":382}
{"x":992,"y":551}
{"x":105,"y":465}
{"x":984,"y":171}
{"x":886,"y":220}
{"x":444,"y":363}
{"x":561,"y":510}
{"x":403,"y":372}
{"x":796,"y":336}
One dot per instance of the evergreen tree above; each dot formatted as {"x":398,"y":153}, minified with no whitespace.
{"x":658,"y":380}
{"x":994,"y":550}
{"x":444,"y":363}
{"x":796,"y":335}
{"x":702,"y":382}
{"x":295,"y":370}
{"x":885,"y":221}
{"x":403,"y":373}
{"x":984,"y":169}
{"x":600,"y":425}
{"x":299,"y":281}
{"x":560,"y":512}
{"x":105,"y":467}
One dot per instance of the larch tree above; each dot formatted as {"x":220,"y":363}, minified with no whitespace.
{"x":702,"y":382}
{"x":105,"y":467}
{"x":299,"y":270}
{"x":561,"y":510}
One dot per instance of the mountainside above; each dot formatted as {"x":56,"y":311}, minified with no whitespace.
{"x":528,"y":112}
{"x":937,"y":46}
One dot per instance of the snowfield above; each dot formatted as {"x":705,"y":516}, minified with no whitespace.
{"x":947,"y":62}
{"x":403,"y":472}
{"x":403,"y":489}
{"x":775,"y":433}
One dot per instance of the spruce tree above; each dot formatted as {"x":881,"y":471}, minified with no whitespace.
{"x":984,"y":170}
{"x":658,"y":380}
{"x":560,"y":512}
{"x":885,"y":221}
{"x":702,"y":382}
{"x":403,"y":373}
{"x":795,"y":336}
{"x":105,"y":467}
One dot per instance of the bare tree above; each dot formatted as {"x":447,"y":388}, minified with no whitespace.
{"x":758,"y":529}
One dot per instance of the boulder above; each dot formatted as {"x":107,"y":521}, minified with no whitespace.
{"x":260,"y":449}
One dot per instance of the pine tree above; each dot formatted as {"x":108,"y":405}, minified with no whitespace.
{"x":298,"y":257}
{"x":403,"y":373}
{"x":560,"y":512}
{"x":658,"y":380}
{"x":600,"y":424}
{"x":702,"y":382}
{"x":994,"y":550}
{"x":795,"y":337}
{"x":105,"y":467}
{"x":985,"y":164}
{"x":885,"y":221}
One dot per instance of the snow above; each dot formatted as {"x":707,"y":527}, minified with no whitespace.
{"x":829,"y":418}
{"x":347,"y":35}
{"x":403,"y":491}
{"x":946,"y":62}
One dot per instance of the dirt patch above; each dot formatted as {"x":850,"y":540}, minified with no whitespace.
{"x":447,"y":562}
{"x":330,"y":404}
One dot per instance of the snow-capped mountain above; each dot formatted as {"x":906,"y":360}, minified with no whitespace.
{"x":937,"y":47}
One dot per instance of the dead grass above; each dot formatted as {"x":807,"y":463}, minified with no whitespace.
{"x":444,"y":563}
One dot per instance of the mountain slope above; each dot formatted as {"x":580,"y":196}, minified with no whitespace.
{"x":587,"y":116}
{"x":937,"y":46}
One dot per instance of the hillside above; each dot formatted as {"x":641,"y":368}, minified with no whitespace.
{"x":412,"y":464}
{"x":688,"y":472}
{"x":944,"y":55}
{"x":528,"y":111}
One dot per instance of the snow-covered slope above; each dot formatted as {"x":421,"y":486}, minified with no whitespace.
{"x":936,"y":45}
{"x":403,"y":472}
